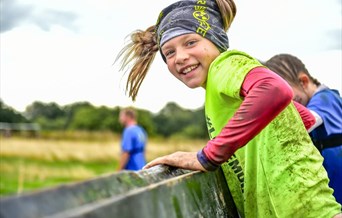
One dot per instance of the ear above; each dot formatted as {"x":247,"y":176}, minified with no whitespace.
{"x":304,"y":79}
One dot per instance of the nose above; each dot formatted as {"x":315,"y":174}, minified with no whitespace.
{"x":181,"y":56}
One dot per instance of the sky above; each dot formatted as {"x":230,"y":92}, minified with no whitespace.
{"x":63,"y":51}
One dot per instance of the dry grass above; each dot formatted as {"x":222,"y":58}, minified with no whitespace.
{"x":48,"y":150}
{"x":27,"y":164}
{"x":33,"y":163}
{"x":64,"y":150}
{"x":39,"y":172}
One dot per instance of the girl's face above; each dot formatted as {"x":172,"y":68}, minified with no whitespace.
{"x":188,"y":58}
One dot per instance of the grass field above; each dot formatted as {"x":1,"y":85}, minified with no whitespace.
{"x":27,"y":164}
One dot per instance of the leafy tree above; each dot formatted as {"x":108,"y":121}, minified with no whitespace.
{"x":111,"y":122}
{"x":85,"y":118}
{"x":199,"y":124}
{"x":145,"y":119}
{"x":47,"y":110}
{"x":71,"y":109}
{"x":50,"y":116}
{"x":51,"y":124}
{"x":108,"y":118}
{"x":9,"y":115}
{"x":88,"y":117}
{"x":172,"y":119}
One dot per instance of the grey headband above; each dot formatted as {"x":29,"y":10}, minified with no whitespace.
{"x":192,"y":16}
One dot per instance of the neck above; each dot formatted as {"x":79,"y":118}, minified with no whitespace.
{"x":312,"y":88}
{"x":131,"y":123}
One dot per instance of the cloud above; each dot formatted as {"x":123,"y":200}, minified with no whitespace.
{"x":14,"y":14}
{"x":48,"y":18}
{"x":334,"y":37}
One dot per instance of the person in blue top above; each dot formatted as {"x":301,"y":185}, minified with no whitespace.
{"x":133,"y":142}
{"x":325,"y":104}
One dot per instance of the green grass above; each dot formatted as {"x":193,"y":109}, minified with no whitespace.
{"x":22,"y":174}
{"x":28,"y":164}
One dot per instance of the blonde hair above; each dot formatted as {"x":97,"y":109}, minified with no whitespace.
{"x":141,"y":51}
{"x":228,"y":12}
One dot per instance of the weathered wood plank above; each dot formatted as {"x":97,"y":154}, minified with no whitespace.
{"x":157,"y":192}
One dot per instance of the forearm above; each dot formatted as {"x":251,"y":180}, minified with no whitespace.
{"x":308,"y":117}
{"x":123,"y":160}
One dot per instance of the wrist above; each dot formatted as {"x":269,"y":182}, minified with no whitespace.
{"x":205,"y":162}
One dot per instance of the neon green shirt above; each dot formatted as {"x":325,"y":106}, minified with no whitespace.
{"x":278,"y":173}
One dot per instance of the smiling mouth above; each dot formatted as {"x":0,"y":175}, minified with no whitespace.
{"x":189,"y":69}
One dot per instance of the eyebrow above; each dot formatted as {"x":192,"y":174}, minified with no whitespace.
{"x":185,"y":38}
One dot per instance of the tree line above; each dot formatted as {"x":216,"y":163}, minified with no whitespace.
{"x":172,"y":120}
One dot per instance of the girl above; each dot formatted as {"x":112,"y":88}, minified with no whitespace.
{"x":257,"y":137}
{"x":325,"y":104}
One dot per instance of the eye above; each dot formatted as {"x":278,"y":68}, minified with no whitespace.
{"x":191,"y":42}
{"x":168,"y":53}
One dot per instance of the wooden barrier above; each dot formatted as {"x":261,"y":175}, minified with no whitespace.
{"x":157,"y":192}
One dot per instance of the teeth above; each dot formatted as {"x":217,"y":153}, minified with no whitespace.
{"x":187,"y":70}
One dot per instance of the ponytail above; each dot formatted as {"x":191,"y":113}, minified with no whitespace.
{"x":140,"y":52}
{"x":228,"y":12}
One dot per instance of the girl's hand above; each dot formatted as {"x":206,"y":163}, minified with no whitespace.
{"x":184,"y":160}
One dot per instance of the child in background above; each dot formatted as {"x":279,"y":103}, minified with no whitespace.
{"x":257,"y":136}
{"x":325,"y":104}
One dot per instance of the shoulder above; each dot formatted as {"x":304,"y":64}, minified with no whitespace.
{"x":333,"y":93}
{"x":235,"y":55}
{"x":134,"y":129}
{"x":129,"y":130}
{"x":327,"y":103}
{"x":228,"y":71}
{"x":325,"y":97}
{"x":234,"y":61}
{"x":140,"y":128}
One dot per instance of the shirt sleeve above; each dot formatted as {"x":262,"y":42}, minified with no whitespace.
{"x":126,"y":143}
{"x":318,"y":121}
{"x":307,"y":116}
{"x":328,"y":105}
{"x":257,"y":110}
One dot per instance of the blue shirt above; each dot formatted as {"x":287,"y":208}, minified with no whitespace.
{"x":327,"y":103}
{"x":134,"y":140}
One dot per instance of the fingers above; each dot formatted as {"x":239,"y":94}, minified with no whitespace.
{"x":154,"y":163}
{"x":148,"y":165}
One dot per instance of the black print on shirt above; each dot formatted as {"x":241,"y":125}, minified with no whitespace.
{"x":234,"y":163}
{"x":210,"y":126}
